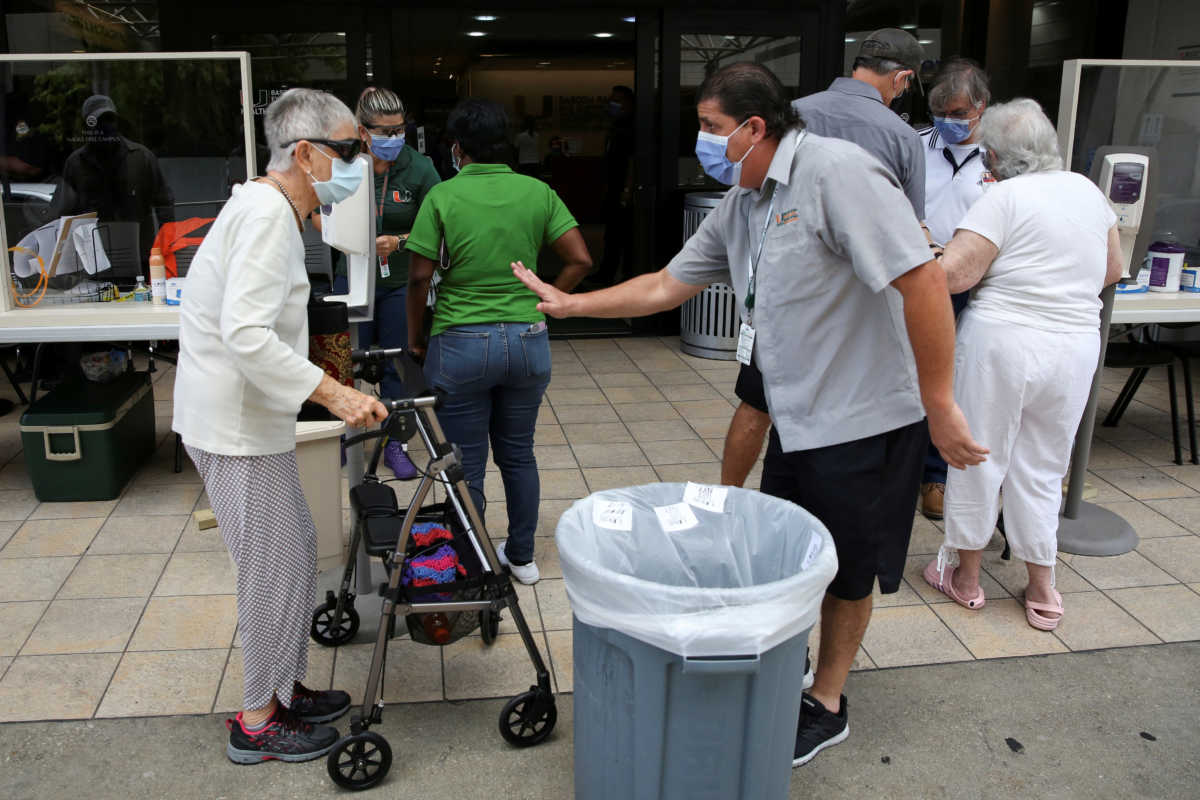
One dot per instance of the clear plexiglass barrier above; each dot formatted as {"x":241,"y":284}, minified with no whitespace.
{"x":105,"y":156}
{"x":1144,"y":104}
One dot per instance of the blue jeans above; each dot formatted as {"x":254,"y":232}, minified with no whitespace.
{"x":935,"y":467}
{"x":493,"y":377}
{"x":388,"y":329}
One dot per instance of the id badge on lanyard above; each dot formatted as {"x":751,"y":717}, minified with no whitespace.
{"x":745,"y":346}
{"x":385,"y":271}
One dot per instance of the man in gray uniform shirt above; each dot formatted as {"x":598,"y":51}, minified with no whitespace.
{"x":850,"y":321}
{"x":855,"y":109}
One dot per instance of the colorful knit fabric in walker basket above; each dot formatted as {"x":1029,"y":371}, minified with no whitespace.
{"x":432,"y":567}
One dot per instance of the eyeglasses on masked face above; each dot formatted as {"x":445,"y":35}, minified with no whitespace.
{"x":346,"y":149}
{"x":385,"y":130}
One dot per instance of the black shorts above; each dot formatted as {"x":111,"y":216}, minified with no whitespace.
{"x":749,"y":388}
{"x":865,"y":493}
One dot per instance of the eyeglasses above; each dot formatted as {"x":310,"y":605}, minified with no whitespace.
{"x":346,"y":149}
{"x":389,"y":130}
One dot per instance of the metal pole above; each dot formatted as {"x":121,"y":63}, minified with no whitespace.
{"x":1085,"y":528}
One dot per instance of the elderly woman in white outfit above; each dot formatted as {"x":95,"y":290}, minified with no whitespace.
{"x":243,"y":373}
{"x":1037,"y":248}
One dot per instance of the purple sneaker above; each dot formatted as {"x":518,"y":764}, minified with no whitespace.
{"x":395,"y":459}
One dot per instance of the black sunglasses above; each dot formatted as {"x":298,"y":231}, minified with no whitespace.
{"x":346,"y":149}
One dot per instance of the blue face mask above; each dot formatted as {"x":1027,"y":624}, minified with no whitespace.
{"x":615,"y":109}
{"x":344,"y":180}
{"x":951,"y":130}
{"x":710,"y":150}
{"x":386,"y":148}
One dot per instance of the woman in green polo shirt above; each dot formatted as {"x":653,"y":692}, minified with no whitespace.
{"x":402,"y":179}
{"x":489,"y":351}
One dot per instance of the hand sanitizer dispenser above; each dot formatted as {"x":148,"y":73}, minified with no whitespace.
{"x":349,"y":226}
{"x":1123,"y":179}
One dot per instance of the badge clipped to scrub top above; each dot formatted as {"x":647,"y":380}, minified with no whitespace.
{"x":745,"y":346}
{"x":384,"y":270}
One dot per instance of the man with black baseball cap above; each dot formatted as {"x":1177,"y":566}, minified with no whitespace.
{"x":117,"y":178}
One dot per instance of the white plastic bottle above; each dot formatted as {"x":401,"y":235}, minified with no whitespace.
{"x":158,"y":277}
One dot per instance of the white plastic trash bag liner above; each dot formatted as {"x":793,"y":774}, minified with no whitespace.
{"x":693,"y":569}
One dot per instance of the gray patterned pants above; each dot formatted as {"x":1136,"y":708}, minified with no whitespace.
{"x":269,"y":531}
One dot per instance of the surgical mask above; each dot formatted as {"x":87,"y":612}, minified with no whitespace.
{"x":710,"y":150}
{"x":952,"y":130}
{"x":454,"y":161}
{"x":615,"y":109}
{"x":386,"y":148}
{"x":344,"y":180}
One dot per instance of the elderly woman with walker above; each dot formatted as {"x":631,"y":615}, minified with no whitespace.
{"x":242,"y":376}
{"x":1037,"y":249}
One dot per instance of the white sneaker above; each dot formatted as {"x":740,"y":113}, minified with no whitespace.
{"x":526,"y":573}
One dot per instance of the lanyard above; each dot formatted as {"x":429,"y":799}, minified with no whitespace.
{"x":383,"y":260}
{"x":756,"y":258}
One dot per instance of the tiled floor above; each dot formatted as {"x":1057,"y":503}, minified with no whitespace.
{"x":125,"y":608}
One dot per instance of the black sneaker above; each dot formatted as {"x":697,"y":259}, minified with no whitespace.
{"x":284,"y":738}
{"x":317,"y":707}
{"x":818,"y":729}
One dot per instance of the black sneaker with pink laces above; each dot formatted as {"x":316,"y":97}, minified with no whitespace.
{"x":315,"y":706}
{"x":284,"y":737}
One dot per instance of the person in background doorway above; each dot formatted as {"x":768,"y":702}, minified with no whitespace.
{"x":1038,"y":247}
{"x":954,"y":180}
{"x":528,"y":162}
{"x":403,"y":177}
{"x":855,"y":109}
{"x":115,"y":177}
{"x":618,"y":189}
{"x":243,"y":373}
{"x":489,"y":350}
{"x":845,"y":269}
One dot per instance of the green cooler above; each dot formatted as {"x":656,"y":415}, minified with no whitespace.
{"x":84,"y":440}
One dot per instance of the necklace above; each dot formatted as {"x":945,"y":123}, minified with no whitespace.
{"x":288,"y":197}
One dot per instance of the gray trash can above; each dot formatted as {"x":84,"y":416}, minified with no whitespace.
{"x":708,"y":325}
{"x":690,"y":632}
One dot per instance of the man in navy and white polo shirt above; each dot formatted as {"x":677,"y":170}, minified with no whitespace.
{"x":954,"y":179}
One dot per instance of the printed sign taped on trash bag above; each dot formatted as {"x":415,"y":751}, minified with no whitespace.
{"x":814,"y":548}
{"x":676,"y":517}
{"x":614,"y":515}
{"x":710,"y":498}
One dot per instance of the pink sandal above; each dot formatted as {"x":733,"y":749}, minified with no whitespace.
{"x":940,"y":576}
{"x":1041,"y":621}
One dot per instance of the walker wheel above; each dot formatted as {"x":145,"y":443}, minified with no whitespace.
{"x":323,"y":630}
{"x":489,"y":626}
{"x":528,"y":718}
{"x":360,"y":761}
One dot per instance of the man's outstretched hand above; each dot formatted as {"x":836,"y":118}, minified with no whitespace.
{"x":554,"y":301}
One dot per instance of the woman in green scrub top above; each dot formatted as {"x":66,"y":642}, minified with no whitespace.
{"x":402,"y":179}
{"x":489,"y":351}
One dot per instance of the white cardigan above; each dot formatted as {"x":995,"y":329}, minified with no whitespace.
{"x":243,"y":367}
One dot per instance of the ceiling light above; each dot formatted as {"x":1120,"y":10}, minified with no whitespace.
{"x":909,"y":27}
{"x":603,"y":35}
{"x":850,"y":40}
{"x":476,"y":33}
{"x":629,"y":19}
{"x":341,"y":34}
{"x":925,"y":41}
{"x":543,"y":63}
{"x":486,"y":18}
